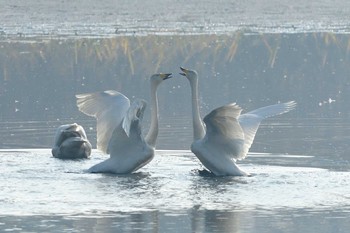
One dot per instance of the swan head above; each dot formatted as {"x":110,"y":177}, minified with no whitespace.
{"x":158,"y":78}
{"x":191,"y":75}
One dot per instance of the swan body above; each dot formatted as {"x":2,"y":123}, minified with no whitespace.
{"x":119,"y":129}
{"x":71,"y":142}
{"x":225,"y":136}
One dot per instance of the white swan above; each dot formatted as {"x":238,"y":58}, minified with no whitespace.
{"x":226,"y":136}
{"x":119,"y":130}
{"x":71,"y":142}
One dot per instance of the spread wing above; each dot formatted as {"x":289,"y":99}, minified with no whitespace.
{"x":224,"y":134}
{"x":109,"y":109}
{"x":135,"y":111}
{"x":250,"y":121}
{"x":128,"y":135}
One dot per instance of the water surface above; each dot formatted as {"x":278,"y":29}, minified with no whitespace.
{"x":169,"y":195}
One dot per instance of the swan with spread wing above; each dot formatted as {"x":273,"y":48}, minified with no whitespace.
{"x":119,"y":129}
{"x":225,"y":136}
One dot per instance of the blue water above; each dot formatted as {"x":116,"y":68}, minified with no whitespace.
{"x":168,"y":194}
{"x":300,"y":183}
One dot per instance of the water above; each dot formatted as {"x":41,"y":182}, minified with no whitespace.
{"x":116,"y":17}
{"x":169,"y":195}
{"x":287,"y":192}
{"x":255,"y":53}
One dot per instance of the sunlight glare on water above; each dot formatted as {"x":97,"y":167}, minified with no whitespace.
{"x":35,"y":183}
{"x":168,"y":194}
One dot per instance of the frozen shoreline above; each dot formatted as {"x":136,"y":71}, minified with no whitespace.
{"x":114,"y":17}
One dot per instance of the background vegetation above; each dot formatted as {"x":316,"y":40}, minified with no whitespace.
{"x":40,"y":77}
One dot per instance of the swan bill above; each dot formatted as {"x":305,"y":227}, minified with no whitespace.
{"x":166,"y":76}
{"x":184,"y":71}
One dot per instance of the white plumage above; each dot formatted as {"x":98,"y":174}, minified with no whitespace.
{"x":71,"y":142}
{"x":119,"y":129}
{"x":226,"y":136}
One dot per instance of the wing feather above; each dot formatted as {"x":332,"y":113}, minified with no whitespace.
{"x":129,"y":133}
{"x":109,"y":108}
{"x":250,"y":121}
{"x":223,"y":130}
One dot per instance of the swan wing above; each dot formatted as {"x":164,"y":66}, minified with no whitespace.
{"x":273,"y":110}
{"x":250,"y":121}
{"x":134,"y":112}
{"x":224,"y":135}
{"x":109,"y":108}
{"x":127,"y":136}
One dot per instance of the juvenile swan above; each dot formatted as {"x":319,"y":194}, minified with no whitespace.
{"x":119,"y":130}
{"x":225,"y":135}
{"x":71,"y":142}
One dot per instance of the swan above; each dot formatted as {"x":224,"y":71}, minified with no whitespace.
{"x":225,"y":136}
{"x":119,"y":131}
{"x":71,"y":142}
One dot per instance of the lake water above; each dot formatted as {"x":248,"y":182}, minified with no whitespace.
{"x":41,"y":193}
{"x":255,"y":53}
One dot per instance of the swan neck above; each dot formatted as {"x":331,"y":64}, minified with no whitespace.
{"x":198,"y":127}
{"x":152,"y":134}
